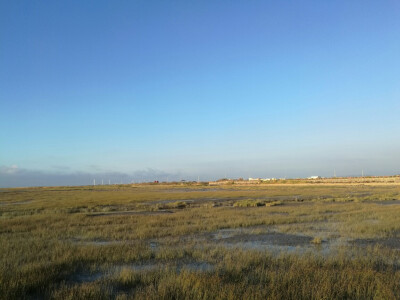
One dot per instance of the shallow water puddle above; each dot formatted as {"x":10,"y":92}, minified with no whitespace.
{"x":130,"y":213}
{"x":250,"y":239}
{"x":324,"y":230}
{"x":136,"y":267}
{"x":277,"y":213}
{"x":102,"y":243}
{"x":96,"y":242}
{"x":193,"y":266}
{"x":168,"y":201}
{"x":260,"y":233}
{"x":16,"y":203}
{"x":196,"y":267}
{"x":85,"y":277}
{"x":391,"y":242}
{"x":153,"y":245}
{"x":273,"y":238}
{"x":388,"y":202}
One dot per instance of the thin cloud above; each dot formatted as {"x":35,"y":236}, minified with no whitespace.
{"x":12,"y":176}
{"x":13,"y":169}
{"x":60,"y":167}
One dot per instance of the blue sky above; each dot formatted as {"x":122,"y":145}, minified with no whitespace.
{"x":179,"y":89}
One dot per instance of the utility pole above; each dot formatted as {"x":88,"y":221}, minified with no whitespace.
{"x":334,"y":172}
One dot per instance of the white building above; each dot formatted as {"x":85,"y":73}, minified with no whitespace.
{"x":314,"y":177}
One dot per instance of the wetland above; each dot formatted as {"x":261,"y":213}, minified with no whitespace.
{"x":194,"y":241}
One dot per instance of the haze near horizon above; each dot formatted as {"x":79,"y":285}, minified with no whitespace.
{"x":154,"y":90}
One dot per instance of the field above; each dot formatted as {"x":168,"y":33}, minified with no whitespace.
{"x":195,"y":241}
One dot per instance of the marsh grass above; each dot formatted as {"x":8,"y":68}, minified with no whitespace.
{"x":173,"y":205}
{"x":48,"y":239}
{"x":317,"y":241}
{"x":249,"y":203}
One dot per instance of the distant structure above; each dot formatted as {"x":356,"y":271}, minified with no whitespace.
{"x":254,"y":179}
{"x":268,"y":179}
{"x":314,"y":177}
{"x":261,"y":179}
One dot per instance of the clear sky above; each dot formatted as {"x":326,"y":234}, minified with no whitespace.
{"x":162,"y":90}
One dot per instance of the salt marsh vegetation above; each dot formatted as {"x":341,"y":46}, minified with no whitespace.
{"x":188,"y":241}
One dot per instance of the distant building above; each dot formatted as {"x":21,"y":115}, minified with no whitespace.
{"x":261,"y":179}
{"x":314,"y":177}
{"x":268,"y":179}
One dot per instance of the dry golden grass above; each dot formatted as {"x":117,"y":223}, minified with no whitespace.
{"x":86,"y":242}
